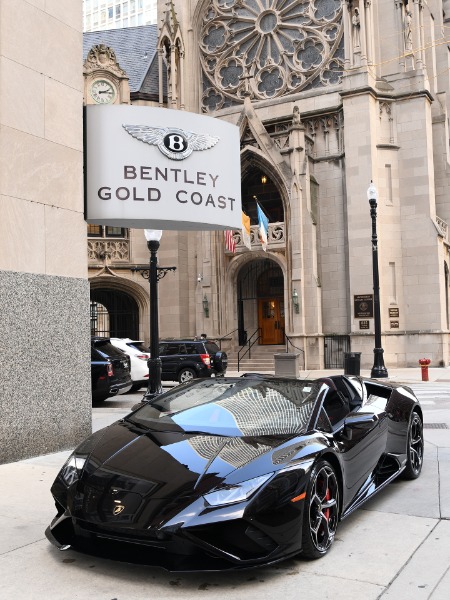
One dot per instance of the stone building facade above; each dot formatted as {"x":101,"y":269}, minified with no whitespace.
{"x":44,"y":293}
{"x":328,"y":95}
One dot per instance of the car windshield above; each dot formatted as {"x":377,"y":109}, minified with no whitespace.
{"x":211,"y":347}
{"x":233,"y":407}
{"x":106,"y":348}
{"x":139,"y":346}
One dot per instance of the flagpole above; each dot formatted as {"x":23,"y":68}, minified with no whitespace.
{"x":263,"y":211}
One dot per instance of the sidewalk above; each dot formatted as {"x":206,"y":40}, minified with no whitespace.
{"x":406,"y":375}
{"x":395,"y":548}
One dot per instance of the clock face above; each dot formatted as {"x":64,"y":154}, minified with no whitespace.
{"x":103,"y":92}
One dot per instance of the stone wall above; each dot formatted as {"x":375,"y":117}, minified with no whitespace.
{"x":44,"y":294}
{"x":44,"y":344}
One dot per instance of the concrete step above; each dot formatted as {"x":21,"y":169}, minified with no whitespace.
{"x":261,"y":359}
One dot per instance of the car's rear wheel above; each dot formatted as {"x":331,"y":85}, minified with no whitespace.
{"x":321,"y":513}
{"x":186,"y":375}
{"x":414,"y":459}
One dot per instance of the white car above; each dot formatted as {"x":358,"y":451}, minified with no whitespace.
{"x":139,"y":355}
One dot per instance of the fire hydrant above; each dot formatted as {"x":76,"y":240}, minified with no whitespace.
{"x":424,"y":362}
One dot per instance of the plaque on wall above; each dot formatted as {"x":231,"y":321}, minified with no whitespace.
{"x":363,"y":306}
{"x":394,"y":313}
{"x":364,"y":324}
{"x":394,"y":324}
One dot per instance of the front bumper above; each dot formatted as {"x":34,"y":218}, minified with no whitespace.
{"x":190,"y":550}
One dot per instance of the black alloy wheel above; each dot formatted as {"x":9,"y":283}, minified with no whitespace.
{"x":321,"y":512}
{"x":414,"y":449}
{"x":186,"y":375}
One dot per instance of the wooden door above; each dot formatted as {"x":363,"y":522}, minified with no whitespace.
{"x":271,"y":320}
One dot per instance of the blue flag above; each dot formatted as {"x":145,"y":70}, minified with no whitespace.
{"x":263,"y":225}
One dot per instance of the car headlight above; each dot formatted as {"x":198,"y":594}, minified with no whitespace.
{"x":71,"y":470}
{"x":236,"y":493}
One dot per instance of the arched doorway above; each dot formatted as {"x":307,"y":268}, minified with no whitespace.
{"x":114,"y":313}
{"x":260,"y":298}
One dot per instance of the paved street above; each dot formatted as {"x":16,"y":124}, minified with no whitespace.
{"x":396,"y":547}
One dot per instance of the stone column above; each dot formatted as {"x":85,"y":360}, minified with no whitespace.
{"x":173,"y":76}
{"x":363,"y":35}
{"x":416,"y":34}
{"x":181,"y":79}
{"x":160,"y":77}
{"x":399,"y":10}
{"x":348,"y":60}
{"x":370,"y":31}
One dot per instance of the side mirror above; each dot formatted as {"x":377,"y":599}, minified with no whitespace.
{"x":354,"y":420}
{"x":360,"y":419}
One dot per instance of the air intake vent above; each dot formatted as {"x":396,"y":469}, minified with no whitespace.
{"x":435,"y":426}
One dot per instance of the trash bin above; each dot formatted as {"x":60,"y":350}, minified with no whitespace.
{"x":352,"y":363}
{"x":287,"y":364}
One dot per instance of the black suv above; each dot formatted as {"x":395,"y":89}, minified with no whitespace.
{"x":110,"y":370}
{"x":183,"y":360}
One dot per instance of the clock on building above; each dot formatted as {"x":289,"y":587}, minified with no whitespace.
{"x":103,"y":91}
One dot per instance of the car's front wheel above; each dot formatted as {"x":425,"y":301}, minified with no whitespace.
{"x":414,"y":450}
{"x":321,"y":513}
{"x":186,"y":375}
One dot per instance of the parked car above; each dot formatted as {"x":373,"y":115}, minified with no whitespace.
{"x":110,"y":370}
{"x":183,"y":360}
{"x":237,"y":472}
{"x":139,"y":355}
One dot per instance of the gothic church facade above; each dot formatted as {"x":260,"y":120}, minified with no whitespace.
{"x":328,"y":95}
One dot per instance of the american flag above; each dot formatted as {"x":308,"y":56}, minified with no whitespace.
{"x":230,"y":244}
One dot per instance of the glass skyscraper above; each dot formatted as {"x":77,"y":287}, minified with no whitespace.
{"x":112,"y":14}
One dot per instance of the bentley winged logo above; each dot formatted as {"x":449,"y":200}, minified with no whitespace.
{"x":118,"y":509}
{"x":171,"y":141}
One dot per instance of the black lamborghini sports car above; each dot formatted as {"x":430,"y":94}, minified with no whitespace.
{"x":236,"y":472}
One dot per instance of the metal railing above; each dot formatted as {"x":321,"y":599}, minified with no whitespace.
{"x":335,"y":347}
{"x":224,"y":337}
{"x":250,"y":344}
{"x":289,"y":341}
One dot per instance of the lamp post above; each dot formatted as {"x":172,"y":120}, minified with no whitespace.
{"x":378,"y":369}
{"x":155,"y":273}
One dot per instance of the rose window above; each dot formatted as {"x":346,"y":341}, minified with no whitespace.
{"x":269,"y":48}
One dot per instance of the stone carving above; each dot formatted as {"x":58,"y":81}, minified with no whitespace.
{"x":269,"y":49}
{"x":102,"y":57}
{"x":356,"y":25}
{"x":276,"y":237}
{"x":408,"y":31}
{"x":113,"y":250}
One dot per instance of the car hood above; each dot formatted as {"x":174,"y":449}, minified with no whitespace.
{"x":171,"y":464}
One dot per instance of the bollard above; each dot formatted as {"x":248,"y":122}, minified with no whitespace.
{"x":424,"y":362}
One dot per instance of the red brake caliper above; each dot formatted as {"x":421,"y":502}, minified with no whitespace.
{"x":326,"y":512}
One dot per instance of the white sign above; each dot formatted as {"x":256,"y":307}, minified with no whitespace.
{"x":155,"y":168}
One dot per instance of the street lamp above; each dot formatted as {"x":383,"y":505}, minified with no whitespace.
{"x":153,"y":237}
{"x":153,"y":273}
{"x":295,"y":301}
{"x":378,"y":369}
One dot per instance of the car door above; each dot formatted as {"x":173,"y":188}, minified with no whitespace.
{"x":361,"y":439}
{"x":170,"y":355}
